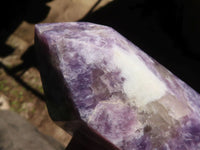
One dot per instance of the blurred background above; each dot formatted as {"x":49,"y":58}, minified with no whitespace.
{"x":167,"y":30}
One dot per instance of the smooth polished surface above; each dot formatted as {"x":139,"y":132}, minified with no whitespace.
{"x":94,"y":76}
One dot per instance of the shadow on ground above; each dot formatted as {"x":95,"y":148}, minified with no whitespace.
{"x":12,"y":14}
{"x":155,"y":27}
{"x":29,"y":61}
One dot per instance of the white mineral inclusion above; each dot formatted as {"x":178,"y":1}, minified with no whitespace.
{"x":141,"y":85}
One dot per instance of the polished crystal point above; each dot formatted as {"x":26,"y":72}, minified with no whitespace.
{"x":104,"y":87}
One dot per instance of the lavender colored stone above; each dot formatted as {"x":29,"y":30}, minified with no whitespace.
{"x":100,"y":84}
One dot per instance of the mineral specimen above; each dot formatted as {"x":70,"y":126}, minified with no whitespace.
{"x":100,"y":84}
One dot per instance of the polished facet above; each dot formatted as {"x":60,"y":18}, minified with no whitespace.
{"x":94,"y":77}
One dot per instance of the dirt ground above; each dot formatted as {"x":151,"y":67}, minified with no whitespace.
{"x":20,"y":82}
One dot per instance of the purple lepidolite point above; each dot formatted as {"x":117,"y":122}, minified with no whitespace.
{"x":96,"y":79}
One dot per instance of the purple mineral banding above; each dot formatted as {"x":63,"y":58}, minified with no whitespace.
{"x":112,"y":95}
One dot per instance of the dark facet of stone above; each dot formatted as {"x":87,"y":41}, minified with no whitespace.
{"x":102,"y":87}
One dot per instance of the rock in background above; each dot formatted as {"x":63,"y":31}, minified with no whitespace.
{"x":17,"y":133}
